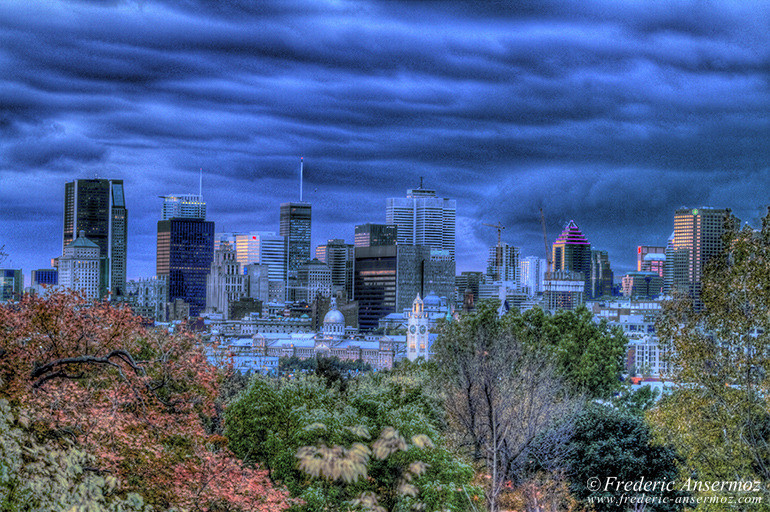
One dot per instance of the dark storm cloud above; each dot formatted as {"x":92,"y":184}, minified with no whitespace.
{"x":611,"y":113}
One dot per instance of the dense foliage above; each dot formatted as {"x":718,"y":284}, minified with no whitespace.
{"x":718,"y":418}
{"x":611,"y":445}
{"x":336,"y":435}
{"x":134,"y":403}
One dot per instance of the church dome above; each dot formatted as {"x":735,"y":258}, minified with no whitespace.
{"x":334,"y":317}
{"x":432,"y":301}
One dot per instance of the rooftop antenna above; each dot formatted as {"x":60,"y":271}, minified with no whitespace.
{"x":301,"y":170}
{"x":200,"y":183}
{"x":420,"y":182}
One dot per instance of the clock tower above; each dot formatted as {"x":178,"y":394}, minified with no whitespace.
{"x":417,"y":331}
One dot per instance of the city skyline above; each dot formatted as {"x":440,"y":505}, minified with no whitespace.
{"x":611,"y":114}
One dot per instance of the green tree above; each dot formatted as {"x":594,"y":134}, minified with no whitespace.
{"x":610,"y":445}
{"x":588,"y":354}
{"x":718,"y":418}
{"x":275,"y":420}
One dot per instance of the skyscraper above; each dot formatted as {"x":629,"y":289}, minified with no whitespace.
{"x":601,"y":274}
{"x":183,"y":206}
{"x":372,"y":235}
{"x":423,"y":219}
{"x":340,"y":257}
{"x":572,"y":252}
{"x":295,"y":226}
{"x":98,"y":208}
{"x":532,"y":275}
{"x":185,"y":253}
{"x":697,"y":237}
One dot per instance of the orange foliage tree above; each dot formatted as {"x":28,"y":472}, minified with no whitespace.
{"x":137,"y":399}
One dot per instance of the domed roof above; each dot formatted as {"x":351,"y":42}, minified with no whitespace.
{"x":334,"y":317}
{"x":432,"y":300}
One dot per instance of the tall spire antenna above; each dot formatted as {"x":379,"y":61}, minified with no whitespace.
{"x":420,"y":182}
{"x":200,"y":183}
{"x":301,"y":170}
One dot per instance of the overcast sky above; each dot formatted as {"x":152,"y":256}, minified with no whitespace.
{"x":610,"y":113}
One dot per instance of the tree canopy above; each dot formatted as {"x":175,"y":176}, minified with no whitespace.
{"x":134,"y":402}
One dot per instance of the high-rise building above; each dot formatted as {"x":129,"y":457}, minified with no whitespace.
{"x":423,"y":219}
{"x":98,"y":208}
{"x":295,"y":225}
{"x":388,"y":277}
{"x":641,"y":256}
{"x":11,"y":284}
{"x":372,"y":235}
{"x":572,"y":253}
{"x":532,"y":275}
{"x":80,"y":267}
{"x":185,"y":252}
{"x":697,"y":237}
{"x":563,"y":289}
{"x":375,"y":283}
{"x":183,"y":206}
{"x":225,"y":282}
{"x":503,"y":263}
{"x":340,"y":257}
{"x":601,"y":274}
{"x":467,"y":288}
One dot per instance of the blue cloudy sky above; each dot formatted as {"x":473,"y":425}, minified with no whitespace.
{"x":612,"y":113}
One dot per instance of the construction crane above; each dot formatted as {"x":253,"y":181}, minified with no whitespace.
{"x":545,"y":242}
{"x":499,"y":227}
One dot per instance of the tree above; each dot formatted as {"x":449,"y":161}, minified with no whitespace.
{"x":719,"y":355}
{"x":276,"y":420}
{"x":134,"y":400}
{"x":504,"y":396}
{"x":611,"y":443}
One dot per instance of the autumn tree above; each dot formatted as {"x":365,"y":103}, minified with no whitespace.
{"x":504,"y":396}
{"x":134,"y":400}
{"x":718,"y":417}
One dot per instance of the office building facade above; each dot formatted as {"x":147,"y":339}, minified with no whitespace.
{"x":340,"y":257}
{"x":371,"y":235}
{"x":98,"y":208}
{"x":601,"y":274}
{"x":697,"y":237}
{"x":423,"y":219}
{"x":44,"y":280}
{"x":11,"y":284}
{"x":572,"y":253}
{"x":185,"y":251}
{"x":80,"y":267}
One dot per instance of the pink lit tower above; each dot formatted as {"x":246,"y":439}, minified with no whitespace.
{"x":572,"y":252}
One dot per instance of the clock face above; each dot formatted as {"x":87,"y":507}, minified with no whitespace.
{"x":422,"y":329}
{"x":413,"y":329}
